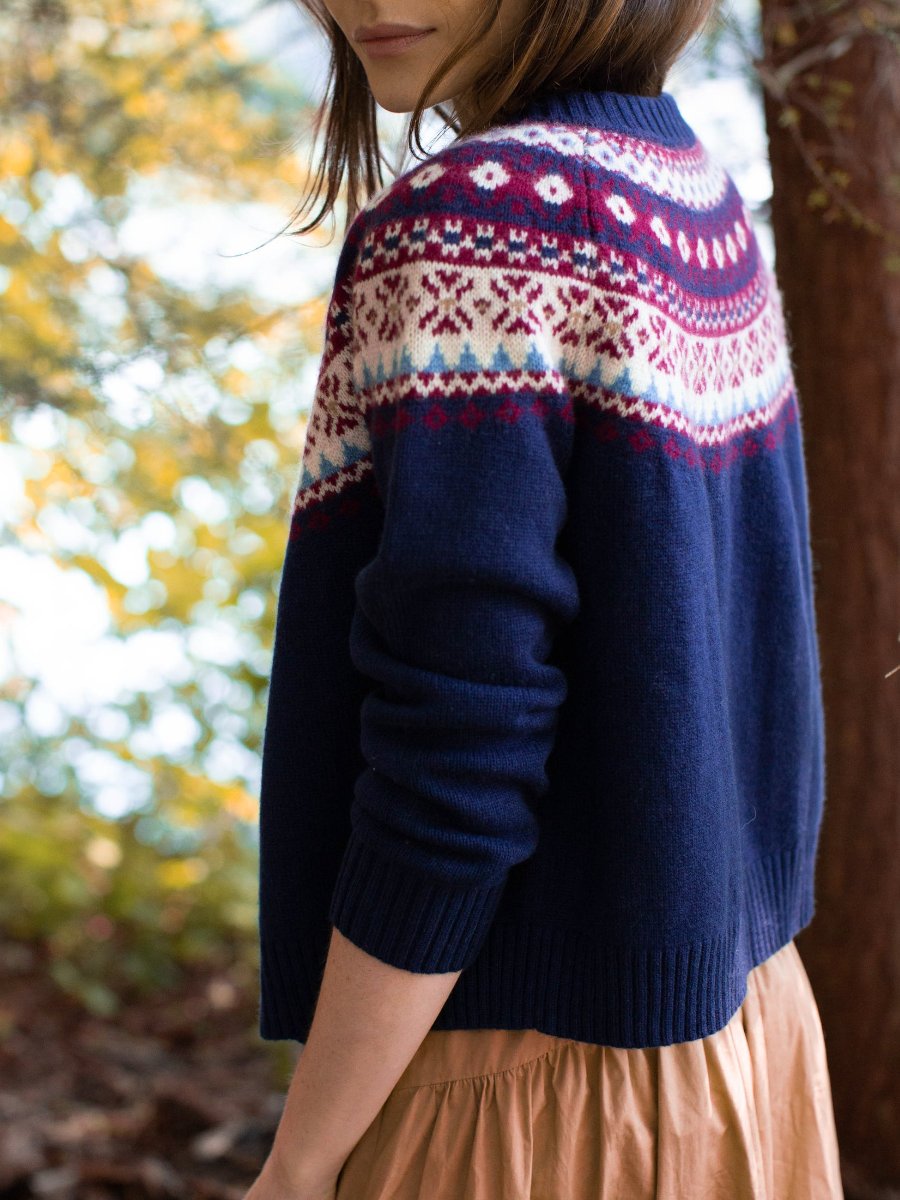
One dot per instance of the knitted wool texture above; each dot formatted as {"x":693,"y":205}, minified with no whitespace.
{"x":545,"y":700}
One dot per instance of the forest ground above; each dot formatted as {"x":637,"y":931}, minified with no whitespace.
{"x":174,"y":1096}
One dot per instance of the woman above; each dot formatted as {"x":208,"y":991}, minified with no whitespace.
{"x":543,"y":765}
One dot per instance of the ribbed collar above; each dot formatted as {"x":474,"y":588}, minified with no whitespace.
{"x":655,"y":117}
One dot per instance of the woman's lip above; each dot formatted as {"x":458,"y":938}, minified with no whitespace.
{"x":387,"y":30}
{"x":395,"y":44}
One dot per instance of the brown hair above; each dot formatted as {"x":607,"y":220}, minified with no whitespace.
{"x":620,"y":45}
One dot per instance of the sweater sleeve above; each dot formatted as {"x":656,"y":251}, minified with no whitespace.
{"x":470,"y":424}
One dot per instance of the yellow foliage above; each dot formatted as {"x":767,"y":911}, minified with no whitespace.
{"x":47,"y":149}
{"x":16,"y":158}
{"x":145,"y":153}
{"x":312,"y":322}
{"x":184,"y":31}
{"x":142,"y":89}
{"x":223,"y":42}
{"x":240,"y":804}
{"x":103,"y":852}
{"x":181,"y":873}
{"x":130,"y":76}
{"x":180,"y":580}
{"x":235,"y":381}
{"x":145,"y":104}
{"x":142,"y":273}
{"x":164,"y":470}
{"x":199,"y":441}
{"x":41,"y":67}
{"x":59,"y":482}
{"x":57,"y":381}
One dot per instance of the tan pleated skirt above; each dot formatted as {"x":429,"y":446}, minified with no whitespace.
{"x":496,"y":1114}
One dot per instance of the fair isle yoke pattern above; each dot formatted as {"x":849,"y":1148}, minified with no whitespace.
{"x":545,"y":702}
{"x":646,"y":299}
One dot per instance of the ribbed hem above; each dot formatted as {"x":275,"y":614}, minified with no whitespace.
{"x":657,"y":117}
{"x":289,"y":983}
{"x":780,"y":901}
{"x":559,"y":981}
{"x":408,"y":919}
{"x":529,"y":975}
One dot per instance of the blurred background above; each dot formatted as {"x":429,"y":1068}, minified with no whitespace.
{"x":160,"y":337}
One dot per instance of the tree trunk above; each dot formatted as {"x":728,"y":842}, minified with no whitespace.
{"x":840,"y":279}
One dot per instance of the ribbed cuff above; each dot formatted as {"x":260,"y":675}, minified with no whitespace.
{"x":406,"y":918}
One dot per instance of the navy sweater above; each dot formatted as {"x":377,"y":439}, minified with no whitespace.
{"x":545,"y":699}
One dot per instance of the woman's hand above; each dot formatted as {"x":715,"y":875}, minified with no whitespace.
{"x":274,"y":1182}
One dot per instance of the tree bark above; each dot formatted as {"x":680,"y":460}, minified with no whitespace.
{"x":838,"y":80}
